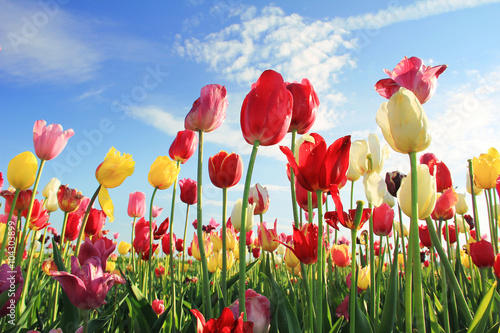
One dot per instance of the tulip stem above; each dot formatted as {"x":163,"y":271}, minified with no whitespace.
{"x":242,"y":244}
{"x":199,"y":231}
{"x":473,"y":196}
{"x":319,"y":278}
{"x":132,"y":252}
{"x":492,"y":215}
{"x":173,"y":312}
{"x":150,"y":261}
{"x":373,"y":293}
{"x":65,"y":221}
{"x":292,"y":184}
{"x":224,"y":248}
{"x":86,"y":317}
{"x":354,"y":284}
{"x":7,"y":227}
{"x":85,"y":218}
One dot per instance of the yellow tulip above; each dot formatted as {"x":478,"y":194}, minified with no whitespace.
{"x":21,"y":171}
{"x":236,"y":253}
{"x":464,"y":258}
{"x":212,"y":263}
{"x":461,"y":206}
{"x":115,"y":168}
{"x":229,"y":259}
{"x":426,"y":193}
{"x":2,"y":231}
{"x":364,"y":277}
{"x":106,"y":203}
{"x":216,"y":240}
{"x":404,"y":123}
{"x":397,"y":228}
{"x":486,"y":169}
{"x":110,"y":266}
{"x":295,"y":271}
{"x":231,"y":240}
{"x":124,"y":248}
{"x":291,"y":259}
{"x":163,"y":172}
{"x":52,"y":186}
{"x":195,"y":249}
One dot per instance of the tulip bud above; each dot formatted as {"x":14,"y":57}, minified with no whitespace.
{"x":461,"y":206}
{"x":393,"y":182}
{"x":21,"y":171}
{"x":340,"y":255}
{"x":236,"y":215}
{"x":51,"y":204}
{"x":426,"y":193}
{"x":258,"y":310}
{"x":209,"y":110}
{"x":52,"y":186}
{"x":260,"y":196}
{"x":482,"y":254}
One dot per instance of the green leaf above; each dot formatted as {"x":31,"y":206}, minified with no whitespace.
{"x":390,"y":304}
{"x":362,"y":324}
{"x":97,"y":323}
{"x":337,"y":326}
{"x":435,"y":327}
{"x":481,"y":316}
{"x":139,"y":305}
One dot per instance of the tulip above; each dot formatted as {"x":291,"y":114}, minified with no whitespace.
{"x":340,"y":255}
{"x":451,"y":233}
{"x":1,"y":180}
{"x":461,"y":206}
{"x":114,"y":169}
{"x":439,"y":170}
{"x":22,"y":203}
{"x":332,"y":218}
{"x":291,"y":259}
{"x":424,"y":235}
{"x":305,"y":106}
{"x":404,"y":123}
{"x":156,"y":211}
{"x":383,"y":218}
{"x":136,"y":204}
{"x":49,"y":266}
{"x":305,"y":242}
{"x":445,"y":205}
{"x":364,"y":277}
{"x":375,"y":188}
{"x":209,"y":110}
{"x":462,"y":225}
{"x":52,"y":186}
{"x":212,"y":263}
{"x":477,"y":190}
{"x":225,"y":169}
{"x":165,"y":243}
{"x":268,"y":237}
{"x":21,"y":171}
{"x":8,"y":279}
{"x":39,"y":216}
{"x":225,"y":323}
{"x":69,"y":199}
{"x":393,"y":181}
{"x":158,"y":306}
{"x":236,"y":215}
{"x":413,"y":75}
{"x":258,"y":310}
{"x":142,"y":236}
{"x":160,"y":231}
{"x":266,"y":112}
{"x":51,"y":204}
{"x":302,"y":200}
{"x":195,"y":249}
{"x":183,"y":146}
{"x":497,"y":185}
{"x":73,"y":226}
{"x":88,"y":285}
{"x":101,"y":249}
{"x":179,"y":244}
{"x":464,"y":258}
{"x":124,"y":248}
{"x":368,"y":156}
{"x":260,"y":196}
{"x":426,"y":193}
{"x":160,"y":271}
{"x":95,"y":222}
{"x":496,"y":266}
{"x":352,"y":174}
{"x":486,"y":169}
{"x":229,"y":260}
{"x":163,"y":172}
{"x":189,"y":191}
{"x":49,"y":141}
{"x":482,"y":254}
{"x":216,"y":241}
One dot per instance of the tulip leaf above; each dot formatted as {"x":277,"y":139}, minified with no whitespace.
{"x":338,"y":325}
{"x":390,"y":304}
{"x":143,"y":312}
{"x":161,"y":319}
{"x":362,"y":324}
{"x":435,"y":327}
{"x":97,"y":323}
{"x":481,"y":316}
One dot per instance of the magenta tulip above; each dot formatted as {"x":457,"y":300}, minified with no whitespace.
{"x":49,"y":141}
{"x":209,"y":110}
{"x":101,"y":249}
{"x":305,"y":106}
{"x":136,"y":204}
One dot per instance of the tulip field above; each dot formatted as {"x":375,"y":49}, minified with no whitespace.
{"x":417,"y":259}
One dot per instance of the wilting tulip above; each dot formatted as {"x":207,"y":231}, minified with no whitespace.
{"x":124,"y":248}
{"x":21,"y":171}
{"x":260,"y":196}
{"x":114,"y":169}
{"x":88,"y":285}
{"x":236,"y":215}
{"x":163,"y":172}
{"x":136,"y":204}
{"x":445,"y":205}
{"x":383,"y":218}
{"x":424,"y":235}
{"x":49,"y":141}
{"x":368,"y":156}
{"x":332,"y":218}
{"x":482,"y":254}
{"x":340,"y":255}
{"x":189,"y":191}
{"x":267,"y":110}
{"x":461,"y":206}
{"x":158,"y":306}
{"x":486,"y":169}
{"x":183,"y":146}
{"x":225,"y":169}
{"x":451,"y":233}
{"x":73,"y":226}
{"x":268,"y":237}
{"x":209,"y":110}
{"x":258,"y":310}
{"x":496,"y":266}
{"x":404,"y":123}
{"x":413,"y":75}
{"x":225,"y":323}
{"x":393,"y":181}
{"x":439,"y":170}
{"x":8,"y":280}
{"x":68,"y":198}
{"x":426,"y":193}
{"x":305,"y":106}
{"x":52,"y":186}
{"x":95,"y":221}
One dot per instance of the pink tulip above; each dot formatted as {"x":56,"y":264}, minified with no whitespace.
{"x":102,"y":249}
{"x":411,"y":74}
{"x":156,"y":211}
{"x":209,"y":110}
{"x":158,"y":306}
{"x":1,"y":180}
{"x":383,"y":218}
{"x":49,"y":141}
{"x":136,"y":204}
{"x":88,"y":285}
{"x":258,"y":310}
{"x":189,"y":191}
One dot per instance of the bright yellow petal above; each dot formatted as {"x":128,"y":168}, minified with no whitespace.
{"x":106,"y":203}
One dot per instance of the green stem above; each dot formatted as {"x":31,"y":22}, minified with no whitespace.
{"x":85,"y":218}
{"x":86,"y":317}
{"x":491,"y":213}
{"x":473,"y":196}
{"x":65,"y":221}
{"x":224,"y":248}
{"x":184,"y":248}
{"x":319,"y":265}
{"x":173,"y":312}
{"x":199,"y":231}
{"x":7,"y":227}
{"x":292,"y":185}
{"x":242,"y":273}
{"x":354,"y":284}
{"x":132,"y":252}
{"x":150,"y":261}
{"x":373,"y":286}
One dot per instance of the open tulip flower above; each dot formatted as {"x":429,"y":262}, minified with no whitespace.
{"x":101,"y":249}
{"x":115,"y":168}
{"x":439,"y":170}
{"x":225,"y":323}
{"x":68,"y":198}
{"x":486,"y":169}
{"x":49,"y":141}
{"x":333,"y":218}
{"x":305,"y":243}
{"x":368,"y":156}
{"x":412,"y":74}
{"x":209,"y":110}
{"x":88,"y":285}
{"x":258,"y":310}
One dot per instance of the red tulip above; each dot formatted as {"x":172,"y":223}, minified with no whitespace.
{"x":445,"y":205}
{"x":413,"y":75}
{"x":159,"y":271}
{"x":301,"y":196}
{"x":424,"y":235}
{"x":158,"y":306}
{"x":383,"y":218}
{"x":102,"y":249}
{"x":142,"y":235}
{"x":88,"y":285}
{"x":22,"y":203}
{"x":482,"y":254}
{"x":225,"y":323}
{"x":377,"y":249}
{"x":321,"y":168}
{"x":305,"y":243}
{"x":497,"y":186}
{"x":439,"y":170}
{"x":49,"y":141}
{"x":161,"y":230}
{"x":496,"y":266}
{"x":333,"y":218}
{"x":1,"y":180}
{"x":179,"y":244}
{"x":209,"y":110}
{"x":225,"y":169}
{"x":165,"y":243}
{"x":189,"y":191}
{"x":305,"y":106}
{"x":69,"y":199}
{"x":451,"y":232}
{"x":39,"y":216}
{"x":136,"y":204}
{"x":340,"y":255}
{"x":183,"y":146}
{"x":249,"y":238}
{"x":267,"y":110}
{"x":260,"y":196}
{"x":73,"y":226}
{"x":256,"y":252}
{"x":95,"y":222}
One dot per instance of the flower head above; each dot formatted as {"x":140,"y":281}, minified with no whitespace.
{"x":49,"y":141}
{"x":183,"y":146}
{"x":114,"y":169}
{"x":225,"y":169}
{"x":163,"y":172}
{"x":209,"y":110}
{"x":305,"y":106}
{"x":21,"y":171}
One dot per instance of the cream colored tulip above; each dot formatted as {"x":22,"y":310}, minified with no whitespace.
{"x":368,"y":156}
{"x":477,"y":190}
{"x":426,"y":193}
{"x":52,"y":186}
{"x":404,"y":123}
{"x":397,"y":228}
{"x":463,"y":226}
{"x":352,"y":174}
{"x":236,"y":215}
{"x":375,"y":188}
{"x":51,"y":204}
{"x":389,"y":199}
{"x":461,"y":206}
{"x":281,"y":249}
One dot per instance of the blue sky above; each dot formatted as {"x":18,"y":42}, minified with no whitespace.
{"x":125,"y":74}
